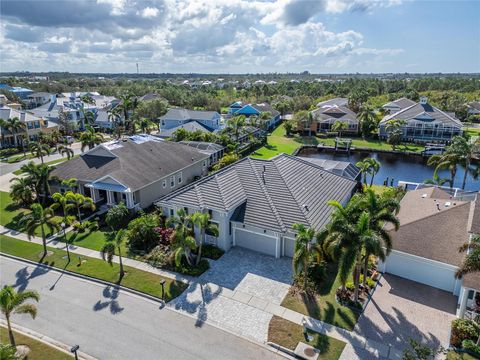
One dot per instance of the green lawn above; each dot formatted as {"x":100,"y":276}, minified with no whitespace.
{"x":360,"y":143}
{"x":38,"y":350}
{"x":289,"y":334}
{"x":93,"y":240}
{"x":278,"y":143}
{"x":53,"y":162}
{"x":11,"y":214}
{"x":323,"y":305}
{"x":139,"y":280}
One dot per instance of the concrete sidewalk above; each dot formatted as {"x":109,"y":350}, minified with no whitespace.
{"x":219,"y":299}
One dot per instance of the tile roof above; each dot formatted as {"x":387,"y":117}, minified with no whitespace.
{"x":432,"y":225}
{"x":134,"y":163}
{"x":343,"y":168}
{"x":274,"y":193}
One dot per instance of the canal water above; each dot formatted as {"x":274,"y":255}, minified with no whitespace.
{"x":399,"y":167}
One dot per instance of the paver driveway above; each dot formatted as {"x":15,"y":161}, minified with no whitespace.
{"x":252,"y":273}
{"x":402,"y":309}
{"x":224,"y":294}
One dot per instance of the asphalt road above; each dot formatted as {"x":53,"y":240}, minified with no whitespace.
{"x":108,"y":324}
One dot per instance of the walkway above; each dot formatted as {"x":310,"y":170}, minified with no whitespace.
{"x":236,"y":311}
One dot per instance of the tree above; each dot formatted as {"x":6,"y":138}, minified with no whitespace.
{"x":340,"y":127}
{"x":454,"y":155}
{"x":179,"y":135}
{"x":374,"y":168}
{"x":117,"y":216}
{"x":303,"y":119}
{"x":89,"y":138}
{"x":21,"y":191}
{"x":70,"y":184}
{"x":365,"y":168}
{"x":38,"y":176}
{"x":356,"y":98}
{"x":61,"y":200}
{"x":12,"y":302}
{"x":436,"y":180}
{"x":80,"y":202}
{"x":466,"y":152}
{"x":226,"y":160}
{"x":14,"y":125}
{"x":39,"y":150}
{"x":141,"y":232}
{"x":115,"y":244}
{"x":40,"y":218}
{"x":88,"y":117}
{"x":368,"y":120}
{"x":202,"y":221}
{"x":8,"y":352}
{"x":418,"y":351}
{"x":288,"y":125}
{"x":235,"y":124}
{"x":394,"y":129}
{"x":65,"y":150}
{"x":471,"y":262}
{"x":183,"y":241}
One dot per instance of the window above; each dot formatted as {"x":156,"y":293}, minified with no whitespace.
{"x":171,"y":212}
{"x":470,"y":294}
{"x":186,"y":210}
{"x":204,"y":163}
{"x":180,"y":178}
{"x":163,"y":122}
{"x":229,"y":228}
{"x":172,"y":181}
{"x":209,"y":232}
{"x":164,"y":184}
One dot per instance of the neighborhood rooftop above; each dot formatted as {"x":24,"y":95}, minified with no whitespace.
{"x":273,"y":194}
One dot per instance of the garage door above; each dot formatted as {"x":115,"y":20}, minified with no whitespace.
{"x":289,"y":247}
{"x":421,"y":270}
{"x":255,"y":241}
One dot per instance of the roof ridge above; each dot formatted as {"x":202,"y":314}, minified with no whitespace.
{"x":268,"y":197}
{"x":391,"y":116}
{"x":220,"y":190}
{"x":199,"y":195}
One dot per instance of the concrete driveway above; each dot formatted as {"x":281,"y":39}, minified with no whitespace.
{"x":402,"y":309}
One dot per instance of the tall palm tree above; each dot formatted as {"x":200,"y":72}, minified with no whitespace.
{"x":89,"y":138}
{"x":12,"y":302}
{"x":39,"y":149}
{"x":70,"y":184}
{"x":368,"y":120}
{"x":88,"y":117}
{"x":183,"y":240}
{"x":374,"y":168}
{"x":115,"y":244}
{"x":448,"y":160}
{"x":65,"y":150}
{"x":14,"y":125}
{"x":60,"y":200}
{"x":467,"y":151}
{"x":436,"y":179}
{"x":124,"y":107}
{"x":40,"y":218}
{"x":236,"y":123}
{"x":340,"y":127}
{"x":38,"y":176}
{"x":21,"y":190}
{"x":80,"y":202}
{"x":202,"y":221}
{"x":304,"y":249}
{"x":471,"y":263}
{"x":365,"y":169}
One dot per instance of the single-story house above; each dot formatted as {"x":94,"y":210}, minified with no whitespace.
{"x":136,"y":170}
{"x":329,"y":112}
{"x":433,"y":225}
{"x":423,"y":123}
{"x":177,"y":116}
{"x":255,"y":202}
{"x":34,"y":125}
{"x":397,"y":105}
{"x":248,"y":110}
{"x":215,"y":151}
{"x":191,"y":126}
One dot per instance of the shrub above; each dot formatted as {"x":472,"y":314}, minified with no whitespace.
{"x":471,"y":346}
{"x":370,"y":282}
{"x":195,"y":270}
{"x":81,"y":227}
{"x":165,"y":235}
{"x":212,"y":252}
{"x":158,"y":257}
{"x":350,"y":285}
{"x":142,"y":234}
{"x":318,"y":272}
{"x":463,"y":329}
{"x":117,"y":216}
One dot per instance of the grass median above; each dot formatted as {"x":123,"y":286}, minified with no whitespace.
{"x":135,"y":279}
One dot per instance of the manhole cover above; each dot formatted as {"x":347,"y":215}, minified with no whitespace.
{"x":309,"y":352}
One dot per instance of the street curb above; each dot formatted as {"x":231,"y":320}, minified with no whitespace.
{"x":46,"y":340}
{"x":149,"y":298}
{"x":88,"y":278}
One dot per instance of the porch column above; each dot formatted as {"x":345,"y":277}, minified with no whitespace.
{"x":80,"y":189}
{"x":129,"y":197}
{"x":94,"y":194}
{"x":110,"y":198}
{"x":462,"y":302}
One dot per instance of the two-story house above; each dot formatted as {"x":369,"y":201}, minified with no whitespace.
{"x":256,"y":110}
{"x":177,"y":118}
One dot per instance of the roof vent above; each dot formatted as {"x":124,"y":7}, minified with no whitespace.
{"x":423,"y":100}
{"x":424,"y":196}
{"x":306,"y":208}
{"x":448,"y":203}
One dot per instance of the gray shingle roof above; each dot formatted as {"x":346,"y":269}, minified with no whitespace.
{"x":190,"y":126}
{"x":206,"y":147}
{"x":336,"y":101}
{"x":134,"y":164}
{"x":474,"y":105}
{"x":416,"y":111}
{"x":276,"y":193}
{"x":402,"y":103}
{"x":333,"y":113}
{"x":343,"y":168}
{"x":186,"y":114}
{"x":265,"y":107}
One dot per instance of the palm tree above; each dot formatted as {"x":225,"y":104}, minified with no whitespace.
{"x":14,"y":125}
{"x":236,"y":123}
{"x":12,"y":302}
{"x":374,"y":168}
{"x":38,"y":176}
{"x":467,"y":152}
{"x":88,"y":117}
{"x":80,"y":202}
{"x":471,"y":263}
{"x":65,"y":150}
{"x":40,"y":218}
{"x":115,"y":244}
{"x":304,"y":249}
{"x":448,"y":160}
{"x":21,"y":190}
{"x":60,"y":200}
{"x":39,"y":149}
{"x":394,"y":130}
{"x":340,"y":127}
{"x":368,"y":120}
{"x":183,"y":241}
{"x":89,"y":138}
{"x":70,"y":184}
{"x":202,"y":220}
{"x":365,"y":169}
{"x":126,"y":104}
{"x":436,"y":180}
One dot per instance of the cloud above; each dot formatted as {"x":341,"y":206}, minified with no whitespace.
{"x":181,"y":35}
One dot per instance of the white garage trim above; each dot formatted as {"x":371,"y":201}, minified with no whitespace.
{"x":430,"y":272}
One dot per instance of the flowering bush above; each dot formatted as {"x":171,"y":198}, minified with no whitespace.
{"x":165,"y":235}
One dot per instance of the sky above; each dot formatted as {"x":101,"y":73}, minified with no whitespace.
{"x":240,"y":36}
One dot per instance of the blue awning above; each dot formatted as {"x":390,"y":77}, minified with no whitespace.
{"x":106,"y":186}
